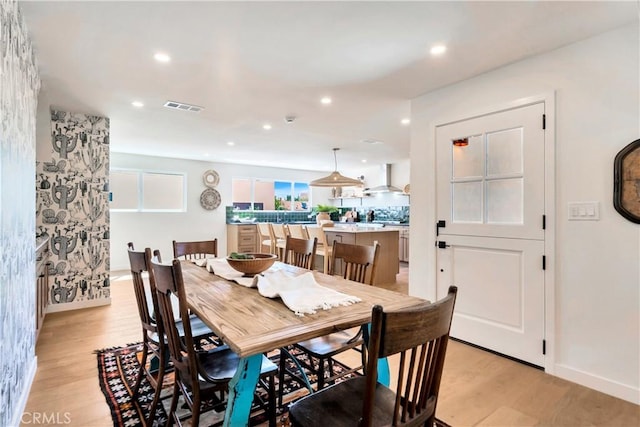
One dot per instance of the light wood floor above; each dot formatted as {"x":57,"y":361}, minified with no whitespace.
{"x":478,"y":388}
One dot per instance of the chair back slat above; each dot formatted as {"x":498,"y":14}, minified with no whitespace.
{"x":169,"y":281}
{"x":300,"y":252}
{"x":145,"y":298}
{"x":195,"y":250}
{"x":357,"y":261}
{"x":420,"y":335}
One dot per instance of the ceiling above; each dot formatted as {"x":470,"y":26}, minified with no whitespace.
{"x":251,"y":63}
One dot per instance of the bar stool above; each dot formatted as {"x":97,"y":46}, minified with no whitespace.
{"x":267,"y":239}
{"x":280,"y":232}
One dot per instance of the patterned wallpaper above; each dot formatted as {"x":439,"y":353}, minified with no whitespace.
{"x":19,"y":87}
{"x":72,"y":208}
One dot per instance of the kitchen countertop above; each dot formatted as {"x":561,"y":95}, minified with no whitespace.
{"x":359,"y":229}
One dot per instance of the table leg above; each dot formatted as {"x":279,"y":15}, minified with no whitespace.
{"x":241,"y":390}
{"x":384,"y":374}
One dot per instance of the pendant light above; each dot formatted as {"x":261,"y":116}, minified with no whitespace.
{"x":335,"y":179}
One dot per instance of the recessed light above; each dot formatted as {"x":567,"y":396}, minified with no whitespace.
{"x":206,"y":154}
{"x":231,"y":143}
{"x":405,"y":121}
{"x":137,"y":104}
{"x":326,"y":100}
{"x":266,"y":126}
{"x":438,"y":49}
{"x":161,"y":57}
{"x":364,"y":160}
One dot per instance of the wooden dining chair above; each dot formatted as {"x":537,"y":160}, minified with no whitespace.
{"x":298,"y":231}
{"x":323,"y":249}
{"x":300,"y":252}
{"x":200,"y":377}
{"x":420,"y":335}
{"x":267,"y":239}
{"x":359,"y":265}
{"x":153,"y":342}
{"x":354,"y":262}
{"x":195,"y":250}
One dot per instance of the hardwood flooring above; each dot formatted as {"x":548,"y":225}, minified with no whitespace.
{"x":478,"y":388}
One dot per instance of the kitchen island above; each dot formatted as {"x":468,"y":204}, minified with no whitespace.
{"x":388,"y":260}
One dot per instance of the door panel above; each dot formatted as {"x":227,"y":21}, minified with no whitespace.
{"x":495,"y":177}
{"x":490,"y":195}
{"x":500,"y":304}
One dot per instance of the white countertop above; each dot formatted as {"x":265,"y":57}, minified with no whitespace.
{"x":359,"y":229}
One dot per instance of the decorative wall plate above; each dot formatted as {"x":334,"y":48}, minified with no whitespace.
{"x":211,"y":178}
{"x":626,"y":182}
{"x":406,"y":189}
{"x":210,"y":199}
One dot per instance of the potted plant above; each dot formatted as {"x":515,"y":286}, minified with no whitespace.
{"x":324,"y":213}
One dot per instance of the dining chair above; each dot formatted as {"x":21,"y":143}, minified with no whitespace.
{"x":323,"y":249}
{"x":280,"y":232}
{"x":359,"y":265}
{"x":300,"y":252}
{"x":298,"y":231}
{"x":267,"y":239}
{"x":420,"y":335}
{"x":202,"y":376}
{"x":153,"y":342}
{"x":195,"y":250}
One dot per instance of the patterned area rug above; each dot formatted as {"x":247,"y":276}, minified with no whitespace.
{"x":117,"y":370}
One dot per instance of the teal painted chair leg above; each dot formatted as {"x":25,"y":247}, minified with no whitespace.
{"x":384,"y":374}
{"x":241,"y":390}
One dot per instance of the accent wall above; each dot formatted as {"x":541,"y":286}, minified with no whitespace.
{"x":72,"y":208}
{"x":19,"y":87}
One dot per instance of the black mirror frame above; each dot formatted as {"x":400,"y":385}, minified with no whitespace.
{"x":619,"y":202}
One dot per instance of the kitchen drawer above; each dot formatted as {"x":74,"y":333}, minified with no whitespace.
{"x":242,"y":238}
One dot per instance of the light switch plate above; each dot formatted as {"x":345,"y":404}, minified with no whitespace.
{"x":584,"y":211}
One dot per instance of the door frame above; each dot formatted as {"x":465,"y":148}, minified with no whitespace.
{"x":548,"y":98}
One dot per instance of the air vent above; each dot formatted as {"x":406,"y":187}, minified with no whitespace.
{"x":182,"y":106}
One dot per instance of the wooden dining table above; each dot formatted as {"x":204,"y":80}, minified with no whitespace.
{"x":251,"y":324}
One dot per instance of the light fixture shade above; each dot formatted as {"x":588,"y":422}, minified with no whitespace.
{"x":335,"y":179}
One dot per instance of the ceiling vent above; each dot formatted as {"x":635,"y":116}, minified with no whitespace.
{"x":182,"y":106}
{"x":386,"y":187}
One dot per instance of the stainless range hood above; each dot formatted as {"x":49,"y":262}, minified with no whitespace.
{"x":386,"y":187}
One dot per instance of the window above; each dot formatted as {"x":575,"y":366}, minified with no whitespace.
{"x":144,"y":191}
{"x":269,"y":194}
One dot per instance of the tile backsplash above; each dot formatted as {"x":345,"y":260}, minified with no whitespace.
{"x":382,"y":213}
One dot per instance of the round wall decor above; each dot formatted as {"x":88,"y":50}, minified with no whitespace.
{"x":210,"y":199}
{"x":211,"y":178}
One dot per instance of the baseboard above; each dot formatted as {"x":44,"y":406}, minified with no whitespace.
{"x":54,"y":308}
{"x":604,"y":385}
{"x":24,"y":396}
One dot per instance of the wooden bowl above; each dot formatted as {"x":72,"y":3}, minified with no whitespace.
{"x":257,"y":265}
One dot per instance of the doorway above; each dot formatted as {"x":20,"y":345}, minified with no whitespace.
{"x":490,"y":195}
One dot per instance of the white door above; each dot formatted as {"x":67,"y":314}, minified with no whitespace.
{"x":490,"y":204}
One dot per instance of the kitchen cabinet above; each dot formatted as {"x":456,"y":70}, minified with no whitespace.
{"x":388,"y":260}
{"x":242,"y":238}
{"x":403,"y":246}
{"x":42,"y":282}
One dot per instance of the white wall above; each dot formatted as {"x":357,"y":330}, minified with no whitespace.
{"x":158,"y":230}
{"x":597,"y":277}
